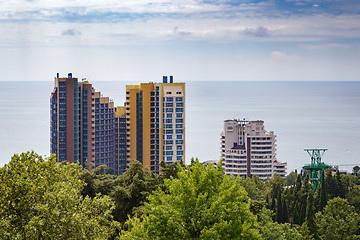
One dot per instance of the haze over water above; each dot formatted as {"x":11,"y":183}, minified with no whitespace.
{"x":302,"y":115}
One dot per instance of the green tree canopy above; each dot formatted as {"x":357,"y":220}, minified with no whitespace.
{"x":354,"y":197}
{"x":202,"y":203}
{"x":255,"y":188}
{"x":356,"y":170}
{"x":276,"y":184}
{"x":271,"y":230}
{"x":338,"y":220}
{"x":131,"y":190}
{"x":291,"y":178}
{"x":41,"y":199}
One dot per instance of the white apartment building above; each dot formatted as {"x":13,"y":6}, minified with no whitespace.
{"x":280,"y":168}
{"x":247,"y":149}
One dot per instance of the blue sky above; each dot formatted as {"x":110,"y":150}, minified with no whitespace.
{"x":136,"y":40}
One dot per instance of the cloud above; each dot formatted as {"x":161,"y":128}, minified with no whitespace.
{"x":181,"y":33}
{"x":277,"y":55}
{"x":257,"y":32}
{"x":324,"y":46}
{"x":70,"y":32}
{"x":110,"y":22}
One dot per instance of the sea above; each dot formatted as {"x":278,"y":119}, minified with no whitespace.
{"x":302,"y":115}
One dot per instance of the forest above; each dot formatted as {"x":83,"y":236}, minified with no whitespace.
{"x":43,"y":199}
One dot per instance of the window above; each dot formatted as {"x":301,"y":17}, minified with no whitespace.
{"x":179,"y":142}
{"x":179,"y":120}
{"x":169,"y":147}
{"x":168,"y":92}
{"x":179,"y":131}
{"x":179,"y":109}
{"x":168,"y":120}
{"x":169,"y":115}
{"x":179,"y":99}
{"x":178,"y":92}
{"x":178,"y":136}
{"x":168,"y":131}
{"x":179,"y":115}
{"x":180,"y":104}
{"x":169,"y":109}
{"x":168,"y":158}
{"x":179,"y":147}
{"x":169,"y":99}
{"x":168,"y":136}
{"x":179,"y":126}
{"x":180,"y":152}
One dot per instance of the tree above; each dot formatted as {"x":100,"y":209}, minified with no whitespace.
{"x":276,"y":184}
{"x":338,"y":220}
{"x":307,"y":184}
{"x":298,"y":184}
{"x":272,"y":230}
{"x":201,"y":203}
{"x":41,"y":199}
{"x":323,"y":193}
{"x":255,"y":188}
{"x":272,"y":207}
{"x":354,"y":197}
{"x":170,"y":170}
{"x":131,"y":190}
{"x":348,"y":182}
{"x":285,"y":212}
{"x":356,"y":170}
{"x":291,"y":178}
{"x":310,"y":213}
{"x":339,"y":185}
{"x":279,"y":209}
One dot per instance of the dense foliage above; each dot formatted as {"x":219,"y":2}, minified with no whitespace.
{"x":202,"y":203}
{"x":42,"y":199}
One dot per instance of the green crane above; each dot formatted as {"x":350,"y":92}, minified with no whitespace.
{"x":316,"y":167}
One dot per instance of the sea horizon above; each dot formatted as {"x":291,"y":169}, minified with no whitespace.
{"x":303,"y":114}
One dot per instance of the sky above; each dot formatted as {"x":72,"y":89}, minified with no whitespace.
{"x":194,"y":40}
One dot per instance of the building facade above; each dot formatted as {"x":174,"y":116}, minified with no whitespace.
{"x":247,"y":149}
{"x":280,"y":168}
{"x":155,"y":121}
{"x":88,"y":129}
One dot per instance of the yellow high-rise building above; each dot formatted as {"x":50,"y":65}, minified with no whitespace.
{"x":155,"y":123}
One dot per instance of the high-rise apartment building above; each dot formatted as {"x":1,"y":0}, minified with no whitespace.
{"x":87,"y":128}
{"x":155,"y":123}
{"x":247,"y":149}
